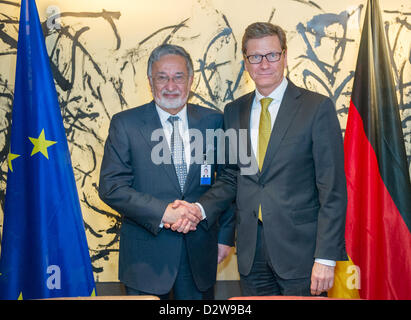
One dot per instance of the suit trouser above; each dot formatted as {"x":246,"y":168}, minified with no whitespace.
{"x":264,"y":281}
{"x":184,"y":287}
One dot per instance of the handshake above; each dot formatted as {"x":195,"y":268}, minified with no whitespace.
{"x":182,"y":216}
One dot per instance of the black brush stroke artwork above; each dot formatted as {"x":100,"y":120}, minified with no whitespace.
{"x":82,"y":79}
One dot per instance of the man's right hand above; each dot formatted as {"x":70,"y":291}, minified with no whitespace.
{"x":181,"y":218}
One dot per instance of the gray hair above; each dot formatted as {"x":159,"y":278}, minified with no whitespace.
{"x":166,"y":49}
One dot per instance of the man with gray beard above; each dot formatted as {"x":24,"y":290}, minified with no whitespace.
{"x":154,"y":259}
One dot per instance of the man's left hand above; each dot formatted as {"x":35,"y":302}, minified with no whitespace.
{"x":223,"y":251}
{"x":322,"y":278}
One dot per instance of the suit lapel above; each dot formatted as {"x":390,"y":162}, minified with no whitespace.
{"x":245,"y":114}
{"x":288,"y":109}
{"x":194,"y":122}
{"x":150,"y":123}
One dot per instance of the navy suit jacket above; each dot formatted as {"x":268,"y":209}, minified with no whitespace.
{"x":140,"y":190}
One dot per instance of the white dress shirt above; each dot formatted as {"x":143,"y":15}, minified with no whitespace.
{"x":184,"y":132}
{"x":183,"y":128}
{"x":274,"y":106}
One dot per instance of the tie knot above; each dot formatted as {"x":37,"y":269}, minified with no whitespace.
{"x":173,"y":119}
{"x":265,"y":102}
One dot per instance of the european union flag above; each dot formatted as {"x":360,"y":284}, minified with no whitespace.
{"x":44,"y":250}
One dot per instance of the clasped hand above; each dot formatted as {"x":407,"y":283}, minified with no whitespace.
{"x":182,"y":216}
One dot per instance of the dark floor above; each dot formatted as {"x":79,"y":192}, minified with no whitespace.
{"x":223,"y":289}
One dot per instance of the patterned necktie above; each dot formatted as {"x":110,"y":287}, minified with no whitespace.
{"x":177,"y":152}
{"x":264,"y":133}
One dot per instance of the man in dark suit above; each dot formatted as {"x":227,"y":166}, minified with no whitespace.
{"x":140,"y":177}
{"x":291,"y":207}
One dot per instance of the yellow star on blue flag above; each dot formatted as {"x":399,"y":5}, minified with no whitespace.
{"x":41,"y":144}
{"x":10,"y":158}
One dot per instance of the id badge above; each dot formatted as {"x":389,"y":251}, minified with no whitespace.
{"x":205,"y":177}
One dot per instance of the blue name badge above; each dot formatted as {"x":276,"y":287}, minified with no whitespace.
{"x":205,"y":177}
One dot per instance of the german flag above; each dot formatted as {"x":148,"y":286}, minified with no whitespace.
{"x":378,"y":225}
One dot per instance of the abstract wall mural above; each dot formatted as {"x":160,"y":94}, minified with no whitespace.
{"x":99,"y":49}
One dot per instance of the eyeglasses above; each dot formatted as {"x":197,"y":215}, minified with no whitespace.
{"x":162,"y":79}
{"x":258,"y":58}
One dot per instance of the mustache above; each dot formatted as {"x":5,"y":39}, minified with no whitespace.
{"x":165,"y":91}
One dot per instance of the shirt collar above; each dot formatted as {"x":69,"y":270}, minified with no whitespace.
{"x":164,"y":115}
{"x":277,"y":94}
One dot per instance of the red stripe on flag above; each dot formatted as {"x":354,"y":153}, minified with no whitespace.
{"x":377,"y":238}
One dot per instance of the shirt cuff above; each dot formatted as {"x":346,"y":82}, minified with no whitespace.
{"x":202,"y":210}
{"x":330,"y":263}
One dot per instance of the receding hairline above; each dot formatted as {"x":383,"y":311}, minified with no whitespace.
{"x":169,"y":49}
{"x":259,"y":30}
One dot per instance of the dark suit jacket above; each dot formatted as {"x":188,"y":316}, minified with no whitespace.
{"x":301,"y":186}
{"x":140,"y":191}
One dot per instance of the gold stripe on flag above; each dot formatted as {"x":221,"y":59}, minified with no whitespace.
{"x":347,"y":281}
